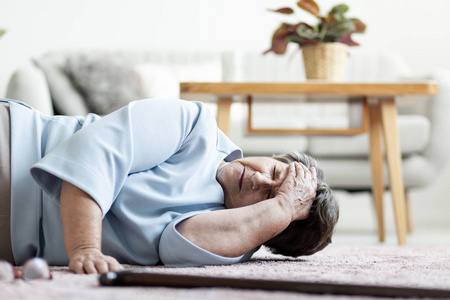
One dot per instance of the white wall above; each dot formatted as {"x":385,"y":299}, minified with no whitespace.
{"x":417,"y":29}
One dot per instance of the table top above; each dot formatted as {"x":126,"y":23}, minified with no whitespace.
{"x":338,"y":88}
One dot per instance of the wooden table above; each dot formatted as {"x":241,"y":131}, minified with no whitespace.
{"x":380,"y":114}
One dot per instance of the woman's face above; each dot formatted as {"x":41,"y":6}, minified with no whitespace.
{"x":250,"y":180}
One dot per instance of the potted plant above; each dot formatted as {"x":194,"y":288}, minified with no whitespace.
{"x":2,"y":32}
{"x":325,"y":45}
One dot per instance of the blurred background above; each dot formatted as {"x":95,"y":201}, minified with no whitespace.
{"x":417,"y":30}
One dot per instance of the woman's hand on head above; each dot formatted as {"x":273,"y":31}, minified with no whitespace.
{"x":92,"y":261}
{"x":299,"y":190}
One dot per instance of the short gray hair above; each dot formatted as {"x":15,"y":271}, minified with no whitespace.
{"x":305,"y":237}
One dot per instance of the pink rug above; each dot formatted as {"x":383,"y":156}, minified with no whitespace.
{"x":405,"y":266}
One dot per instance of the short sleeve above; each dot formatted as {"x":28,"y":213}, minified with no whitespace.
{"x":99,"y":157}
{"x":177,"y":251}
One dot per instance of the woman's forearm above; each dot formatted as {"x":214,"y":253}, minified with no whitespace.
{"x":81,"y":219}
{"x":82,"y":226}
{"x":233,"y":232}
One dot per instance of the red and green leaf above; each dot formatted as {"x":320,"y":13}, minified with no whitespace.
{"x":284,"y":10}
{"x":333,"y":27}
{"x":306,"y":32}
{"x":280,"y":40}
{"x":310,"y":6}
{"x":340,"y":9}
{"x":360,"y":27}
{"x":347,"y":39}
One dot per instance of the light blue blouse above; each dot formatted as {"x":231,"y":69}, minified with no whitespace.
{"x":149,"y":166}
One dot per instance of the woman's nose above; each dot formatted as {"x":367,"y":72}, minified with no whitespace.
{"x":260,"y":181}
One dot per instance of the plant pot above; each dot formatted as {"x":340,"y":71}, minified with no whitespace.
{"x":325,"y":61}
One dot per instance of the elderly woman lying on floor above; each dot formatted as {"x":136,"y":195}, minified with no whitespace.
{"x":149,"y":183}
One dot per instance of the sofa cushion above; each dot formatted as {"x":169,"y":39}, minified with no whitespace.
{"x":157,"y":81}
{"x":162,"y":80}
{"x":356,"y":173}
{"x":107,"y":84}
{"x":414,"y":136}
{"x":66,"y":99}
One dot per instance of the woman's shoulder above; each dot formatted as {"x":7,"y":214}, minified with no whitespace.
{"x":190,"y":113}
{"x":168,"y":104}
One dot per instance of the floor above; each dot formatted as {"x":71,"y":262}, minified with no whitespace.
{"x":357,"y":226}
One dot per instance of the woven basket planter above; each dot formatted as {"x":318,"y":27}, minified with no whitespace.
{"x":325,"y":61}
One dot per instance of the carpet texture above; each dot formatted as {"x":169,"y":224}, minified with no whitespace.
{"x":397,"y":266}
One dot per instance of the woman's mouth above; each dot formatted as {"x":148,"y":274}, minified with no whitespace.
{"x":241,"y":178}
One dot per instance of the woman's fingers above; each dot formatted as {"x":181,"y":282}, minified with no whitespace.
{"x":77,"y":267}
{"x":306,"y":183}
{"x":313,"y":174}
{"x":101,"y":266}
{"x":309,"y":174}
{"x":300,"y":172}
{"x":89,"y":267}
{"x":97,"y":266}
{"x":114,"y":266}
{"x":300,"y":182}
{"x":92,"y":261}
{"x":299,"y":188}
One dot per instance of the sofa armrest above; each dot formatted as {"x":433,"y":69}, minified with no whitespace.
{"x":28,"y":84}
{"x":439,"y":108}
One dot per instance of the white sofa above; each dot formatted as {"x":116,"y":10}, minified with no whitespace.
{"x":75,"y":83}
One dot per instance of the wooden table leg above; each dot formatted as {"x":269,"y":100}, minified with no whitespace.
{"x":394,"y":160}
{"x":376,"y":159}
{"x":409,"y":226}
{"x":223,"y":113}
